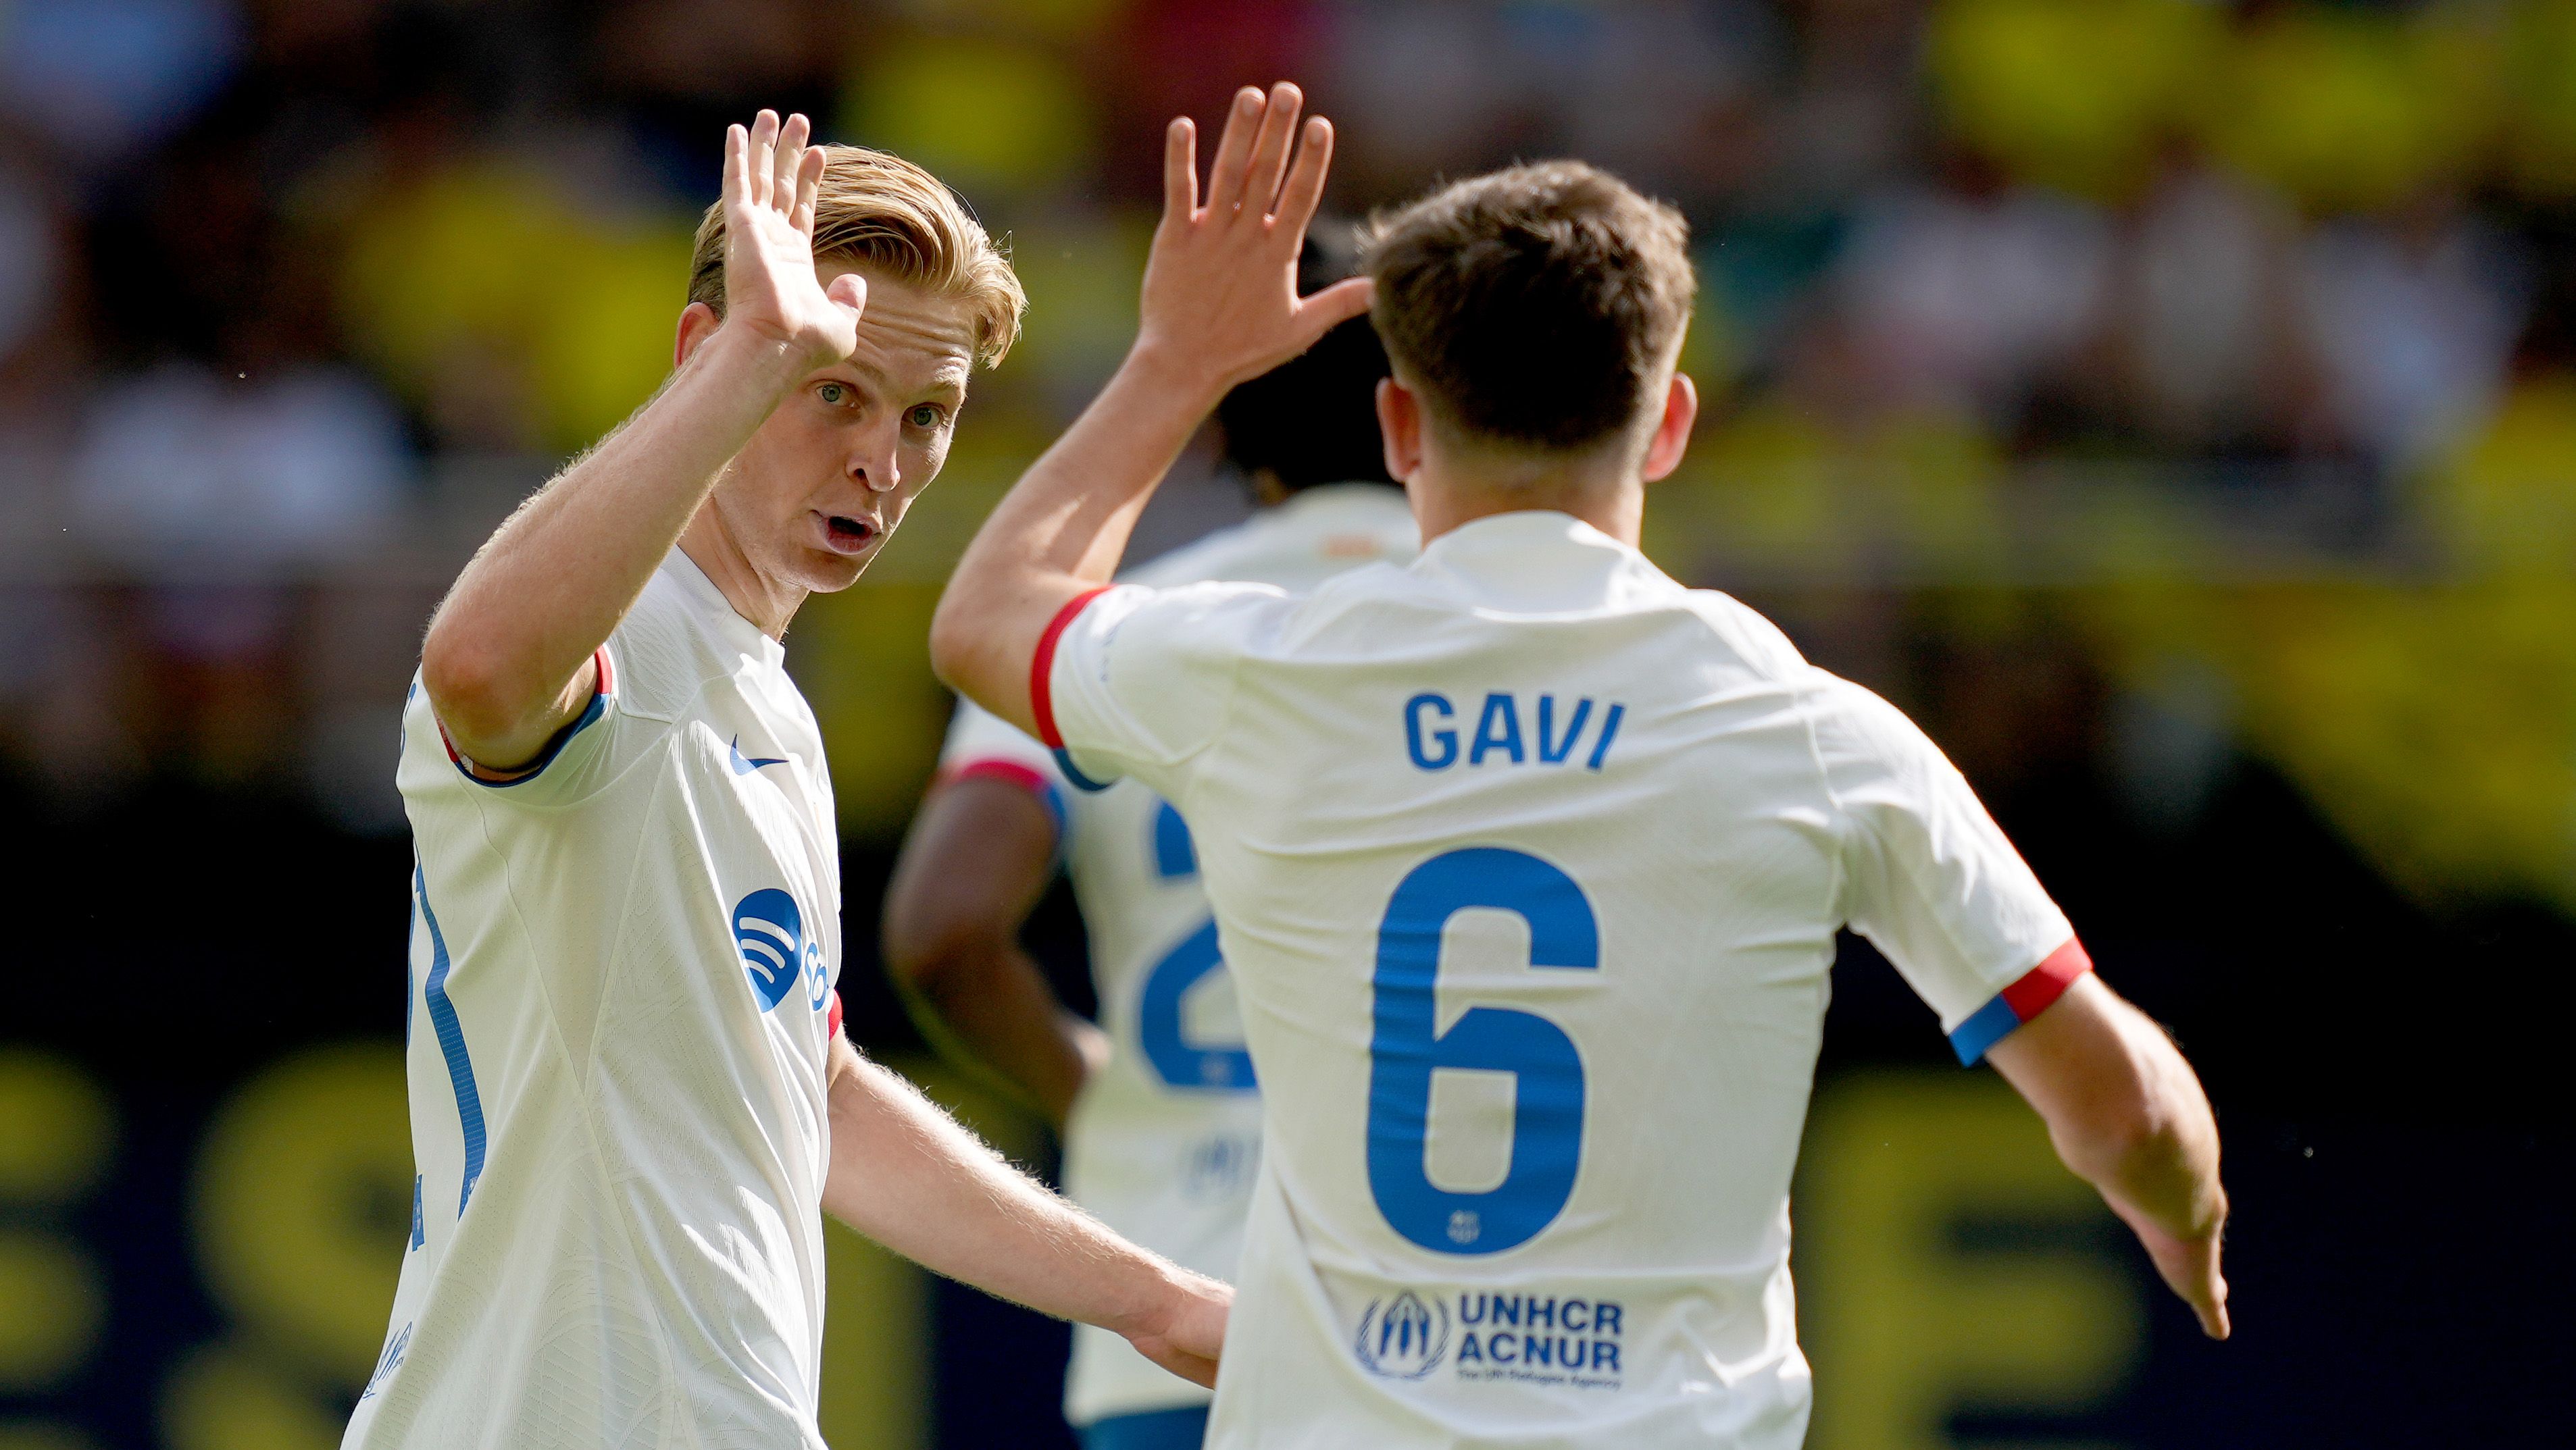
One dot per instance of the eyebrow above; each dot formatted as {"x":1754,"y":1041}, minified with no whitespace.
{"x":948,"y":382}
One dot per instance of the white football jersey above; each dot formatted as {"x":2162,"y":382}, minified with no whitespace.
{"x":1163,"y":1143}
{"x":621,"y":995}
{"x":1528,"y":863}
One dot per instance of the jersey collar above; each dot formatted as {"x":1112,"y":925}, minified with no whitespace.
{"x":1534,"y":561}
{"x":717,"y":611}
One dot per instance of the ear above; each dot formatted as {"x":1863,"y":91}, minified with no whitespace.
{"x":698,"y":322}
{"x":1672,"y":431}
{"x":1399,"y":427}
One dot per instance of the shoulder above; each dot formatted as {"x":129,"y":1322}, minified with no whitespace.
{"x":1209,"y":612}
{"x":1298,"y":544}
{"x":1205,"y":557}
{"x":660,"y":651}
{"x":1744,"y":633}
{"x":1863,"y":738}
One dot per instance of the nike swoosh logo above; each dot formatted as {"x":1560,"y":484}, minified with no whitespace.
{"x":743,"y":765}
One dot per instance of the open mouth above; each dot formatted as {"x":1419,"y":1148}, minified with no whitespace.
{"x":849,"y":535}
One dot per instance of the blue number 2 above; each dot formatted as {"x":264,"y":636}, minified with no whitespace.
{"x":1547,"y":1104}
{"x":1177,"y":1060}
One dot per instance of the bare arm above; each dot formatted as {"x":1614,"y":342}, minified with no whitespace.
{"x":906,"y":1175}
{"x":1220,"y":306}
{"x":980,"y":854}
{"x":508,"y":658}
{"x":2128,"y":1116}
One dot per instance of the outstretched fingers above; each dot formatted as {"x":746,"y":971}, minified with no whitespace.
{"x":790,"y":161}
{"x":1305,"y":189}
{"x":763,"y":170}
{"x":737,"y":165}
{"x":1180,"y":170}
{"x":1270,"y":149}
{"x":809,"y":187}
{"x":1234,"y":150}
{"x":850,"y":291}
{"x":1332,"y":307}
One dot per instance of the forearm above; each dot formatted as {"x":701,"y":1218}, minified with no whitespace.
{"x":906,"y":1175}
{"x":2122,"y":1106}
{"x":2128,"y":1116}
{"x":553,"y":582}
{"x":993,"y":1004}
{"x":2161,"y":1166}
{"x":980,"y":854}
{"x":1063,"y":528}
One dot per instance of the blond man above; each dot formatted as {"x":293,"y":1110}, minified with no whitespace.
{"x":630,"y":1096}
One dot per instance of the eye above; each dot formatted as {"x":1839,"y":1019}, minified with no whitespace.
{"x":833,"y":394}
{"x":924,"y":415}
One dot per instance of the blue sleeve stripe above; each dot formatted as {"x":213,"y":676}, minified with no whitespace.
{"x":2028,"y":995}
{"x":451,"y":1044}
{"x":1073,"y":773}
{"x":602,"y":686}
{"x":1989,"y":1025}
{"x":545,"y":757}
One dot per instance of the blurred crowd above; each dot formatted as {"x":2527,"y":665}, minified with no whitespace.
{"x":297,"y":296}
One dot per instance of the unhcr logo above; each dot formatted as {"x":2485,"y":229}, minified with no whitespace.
{"x":1403,"y":1339}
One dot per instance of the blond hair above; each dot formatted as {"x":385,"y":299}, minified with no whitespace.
{"x":882,"y":211}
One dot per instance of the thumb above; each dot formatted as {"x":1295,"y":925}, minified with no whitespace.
{"x":2213,"y":1315}
{"x":1332,"y":307}
{"x":850,"y":290}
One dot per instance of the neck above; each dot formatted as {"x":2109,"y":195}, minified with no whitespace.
{"x":1443,"y":500}
{"x":768,"y":603}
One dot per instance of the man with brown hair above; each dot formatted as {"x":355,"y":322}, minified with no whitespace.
{"x":1527,"y":861}
{"x":631,"y":1097}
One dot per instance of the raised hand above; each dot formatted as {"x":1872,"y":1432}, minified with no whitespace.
{"x":770,"y":179}
{"x":1221,"y":297}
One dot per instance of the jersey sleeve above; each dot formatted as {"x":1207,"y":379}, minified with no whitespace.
{"x":1131,"y":681}
{"x":1933,"y":882}
{"x":983,"y":746}
{"x":573,"y":760}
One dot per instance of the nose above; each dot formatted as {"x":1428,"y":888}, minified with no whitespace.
{"x":874,"y":467}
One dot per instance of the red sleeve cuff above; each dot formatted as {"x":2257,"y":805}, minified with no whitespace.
{"x":1012,"y":772}
{"x":1042,"y":668}
{"x":2030,"y":994}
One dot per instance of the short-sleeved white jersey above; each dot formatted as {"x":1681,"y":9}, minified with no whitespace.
{"x":1528,"y":863}
{"x":1163,"y":1143}
{"x":621,"y":994}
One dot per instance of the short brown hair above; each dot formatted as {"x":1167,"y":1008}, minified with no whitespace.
{"x":1533,"y":305}
{"x":881,"y":210}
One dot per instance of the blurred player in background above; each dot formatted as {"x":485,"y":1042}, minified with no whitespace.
{"x":630,"y":1094}
{"x":1528,"y":861}
{"x":1160,"y":1124}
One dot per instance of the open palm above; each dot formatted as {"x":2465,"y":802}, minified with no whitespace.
{"x":770,"y":179}
{"x":1221,"y":281}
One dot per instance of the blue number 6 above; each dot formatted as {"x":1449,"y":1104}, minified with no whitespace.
{"x":1547,"y":1111}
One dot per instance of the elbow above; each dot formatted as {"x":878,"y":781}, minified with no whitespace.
{"x":462,"y":678}
{"x":936,"y":957}
{"x":953,"y":641}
